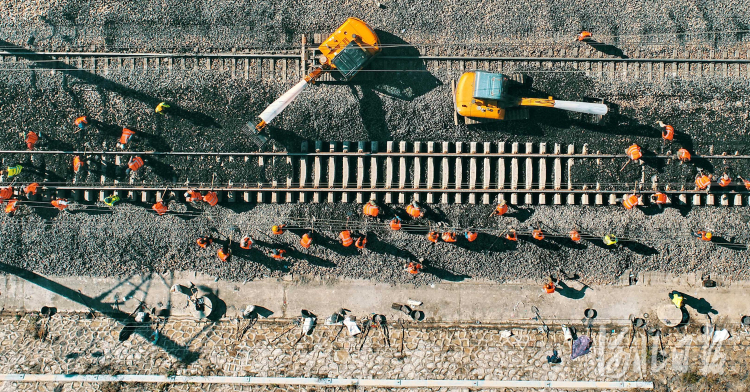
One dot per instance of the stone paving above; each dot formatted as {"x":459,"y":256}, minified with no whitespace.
{"x":74,"y":344}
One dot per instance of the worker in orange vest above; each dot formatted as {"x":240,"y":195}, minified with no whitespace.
{"x":6,"y":193}
{"x":433,"y":236}
{"x":395,"y":223}
{"x":703,"y":181}
{"x":449,"y":236}
{"x":659,"y":198}
{"x":725,"y":180}
{"x":361,"y":242}
{"x":224,"y":253}
{"x":745,"y":182}
{"x":634,"y":153}
{"x":31,"y":139}
{"x":575,"y":236}
{"x":414,"y":210}
{"x":77,"y":164}
{"x":413,"y":268}
{"x":134,"y":163}
{"x":345,"y":238}
{"x":192,"y":196}
{"x":501,"y":209}
{"x":683,"y":155}
{"x":127,"y":134}
{"x":160,"y":208}
{"x":11,"y":207}
{"x":471,"y":236}
{"x":549,"y":287}
{"x":203,"y":242}
{"x":81,"y":123}
{"x":668,"y":132}
{"x":630,"y":201}
{"x":371,"y":209}
{"x":537,"y":234}
{"x":246,"y":242}
{"x":277,"y":254}
{"x":278,"y":229}
{"x":703,"y":235}
{"x":60,"y":204}
{"x":584,"y":36}
{"x":30,"y":189}
{"x":306,"y":240}
{"x":511,"y":235}
{"x":211,"y":198}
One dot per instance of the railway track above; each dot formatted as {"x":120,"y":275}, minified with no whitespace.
{"x":398,"y":172}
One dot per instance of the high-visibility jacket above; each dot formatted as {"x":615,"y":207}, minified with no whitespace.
{"x":14,"y":170}
{"x":471,"y":236}
{"x":449,"y":236}
{"x":396,"y":223}
{"x":31,"y":139}
{"x":609,"y":239}
{"x":702,"y":182}
{"x":511,"y":236}
{"x":432,"y":236}
{"x":361,"y":242}
{"x":31,"y":188}
{"x":6,"y":193}
{"x":11,"y":206}
{"x":279,"y":229}
{"x":278,"y":254}
{"x":135,"y":163}
{"x":81,"y":121}
{"x":246,"y":242}
{"x":211,"y":198}
{"x":549,"y":287}
{"x":346,"y":238}
{"x":746,"y":183}
{"x":224,"y":256}
{"x":668,"y":133}
{"x":414,"y":211}
{"x":160,"y":208}
{"x":661,"y":198}
{"x":60,"y":204}
{"x":630,"y":201}
{"x":705,"y":235}
{"x":634,"y":152}
{"x":306,"y":240}
{"x":501,"y":209}
{"x":203,"y":242}
{"x":583,"y":35}
{"x":575,"y":235}
{"x":413,"y":267}
{"x":126,"y":135}
{"x":683,"y":155}
{"x":77,"y":164}
{"x":725,"y":180}
{"x":370,"y":209}
{"x":160,"y":107}
{"x":191,"y":196}
{"x":112,"y":200}
{"x":537,"y":234}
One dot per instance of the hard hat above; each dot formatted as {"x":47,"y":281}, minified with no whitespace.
{"x":709,"y":235}
{"x":275,"y":228}
{"x":187,"y":194}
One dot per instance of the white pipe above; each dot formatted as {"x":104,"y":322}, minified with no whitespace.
{"x":339,"y":382}
{"x":282,"y":102}
{"x":582,"y":107}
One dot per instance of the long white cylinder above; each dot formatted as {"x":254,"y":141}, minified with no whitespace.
{"x":582,"y":107}
{"x":282,"y":102}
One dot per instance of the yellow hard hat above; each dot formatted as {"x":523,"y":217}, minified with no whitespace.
{"x":275,"y":228}
{"x":709,"y":235}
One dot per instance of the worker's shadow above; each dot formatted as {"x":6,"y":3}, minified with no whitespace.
{"x":729,"y":244}
{"x":568,"y":243}
{"x":522,"y":214}
{"x":569,"y":292}
{"x":161,"y":169}
{"x":607,"y":49}
{"x":543,"y":244}
{"x":314,"y":260}
{"x":477,"y":245}
{"x":444,"y":274}
{"x":335,"y":245}
{"x":652,"y":209}
{"x":699,"y":304}
{"x":637,"y":247}
{"x":384,"y":247}
{"x":650,"y":159}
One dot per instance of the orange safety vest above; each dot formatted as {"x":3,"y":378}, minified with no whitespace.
{"x":80,"y":120}
{"x":278,"y":254}
{"x":135,"y":163}
{"x":346,"y":238}
{"x":160,"y":208}
{"x":203,"y":242}
{"x":471,"y":236}
{"x":511,"y":236}
{"x":77,"y":164}
{"x":361,"y":242}
{"x":501,"y":209}
{"x":224,"y":256}
{"x":371,"y":210}
{"x":747,"y":184}
{"x":414,"y":268}
{"x":449,"y":236}
{"x":634,"y":152}
{"x":538,"y":235}
{"x":31,"y":139}
{"x":661,"y":198}
{"x":395,"y":224}
{"x":683,"y":155}
{"x":668,"y":133}
{"x":432,"y":236}
{"x":306,"y":241}
{"x":211,"y":198}
{"x":704,"y":235}
{"x":702,"y":182}
{"x":414,"y":211}
{"x":60,"y":204}
{"x":6,"y":193}
{"x":725,"y":181}
{"x":126,"y":135}
{"x":31,"y":188}
{"x":11,"y":207}
{"x":630,"y":201}
{"x":575,"y":235}
{"x":279,"y":230}
{"x":549,"y":288}
{"x":246,"y":242}
{"x":583,"y":35}
{"x":193,"y":196}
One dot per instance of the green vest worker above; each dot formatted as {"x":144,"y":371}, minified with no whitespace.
{"x":111,"y":200}
{"x":610,"y":240}
{"x":14,"y":171}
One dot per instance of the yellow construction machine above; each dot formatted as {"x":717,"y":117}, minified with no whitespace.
{"x":347,"y":50}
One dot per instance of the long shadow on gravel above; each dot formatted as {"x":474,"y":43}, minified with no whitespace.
{"x":178,"y":351}
{"x":314,"y":260}
{"x":445,"y":274}
{"x":45,"y":62}
{"x":641,"y":249}
{"x":726,"y":243}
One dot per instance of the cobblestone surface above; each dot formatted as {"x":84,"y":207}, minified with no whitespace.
{"x":74,"y":344}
